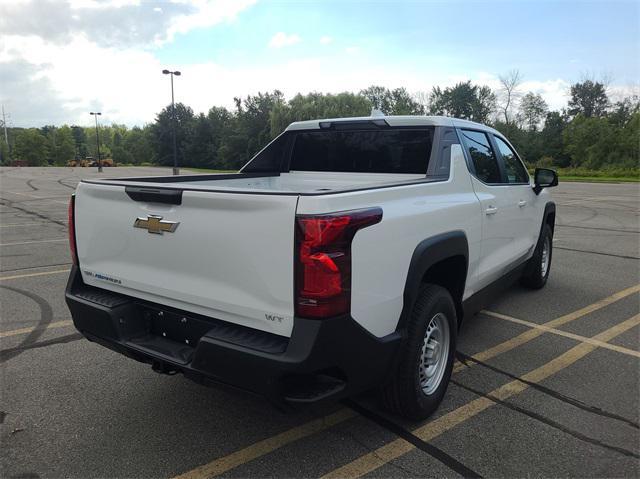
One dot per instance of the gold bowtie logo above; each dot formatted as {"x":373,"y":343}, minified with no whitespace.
{"x":155,"y":224}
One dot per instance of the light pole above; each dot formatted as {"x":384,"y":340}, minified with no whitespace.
{"x":176,"y":170}
{"x":95,"y":114}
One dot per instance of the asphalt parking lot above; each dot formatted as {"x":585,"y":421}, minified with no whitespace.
{"x":547,"y":383}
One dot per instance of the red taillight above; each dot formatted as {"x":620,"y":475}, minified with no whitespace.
{"x":72,"y":229}
{"x":323,"y":266}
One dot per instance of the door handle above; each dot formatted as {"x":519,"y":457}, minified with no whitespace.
{"x":522,"y":203}
{"x":491,"y":210}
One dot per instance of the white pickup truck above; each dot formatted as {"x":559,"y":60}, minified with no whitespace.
{"x":343,"y":257}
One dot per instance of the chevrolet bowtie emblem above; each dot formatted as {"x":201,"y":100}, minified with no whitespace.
{"x":155,"y":224}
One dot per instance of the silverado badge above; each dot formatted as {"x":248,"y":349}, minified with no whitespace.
{"x":155,"y":224}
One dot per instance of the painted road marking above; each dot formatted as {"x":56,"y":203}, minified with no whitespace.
{"x":238,"y":458}
{"x":534,"y":333}
{"x":15,"y":332}
{"x":381,"y":456}
{"x":30,"y":275}
{"x":566,"y":334}
{"x":266,"y":446}
{"x":34,"y":242}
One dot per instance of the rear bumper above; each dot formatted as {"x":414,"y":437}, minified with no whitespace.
{"x":331,"y":358}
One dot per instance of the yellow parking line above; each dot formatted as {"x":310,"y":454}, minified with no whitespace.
{"x":266,"y":446}
{"x":566,"y":334}
{"x":15,"y":332}
{"x":375,"y":459}
{"x":394,"y":449}
{"x":534,"y":333}
{"x":30,"y":275}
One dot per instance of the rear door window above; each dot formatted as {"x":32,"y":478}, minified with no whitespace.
{"x":515,"y":170}
{"x":363,"y":151}
{"x":482,"y":155}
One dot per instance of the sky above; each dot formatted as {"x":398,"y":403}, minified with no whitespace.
{"x":59,"y":60}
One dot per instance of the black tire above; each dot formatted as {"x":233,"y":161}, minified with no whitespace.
{"x":535,"y":275}
{"x":404,"y":395}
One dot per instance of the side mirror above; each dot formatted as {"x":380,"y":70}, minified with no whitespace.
{"x":544,"y":178}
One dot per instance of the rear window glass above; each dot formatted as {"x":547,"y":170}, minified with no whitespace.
{"x":363,"y":151}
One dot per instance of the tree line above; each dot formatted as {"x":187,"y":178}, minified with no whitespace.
{"x":592,"y":132}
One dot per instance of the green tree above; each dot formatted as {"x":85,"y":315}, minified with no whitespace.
{"x":589,"y":99}
{"x":624,"y":110}
{"x":138,"y":144}
{"x":392,"y":102}
{"x":4,"y":153}
{"x":64,"y":148}
{"x":590,"y":142}
{"x":31,"y":146}
{"x":250,"y":129}
{"x":533,"y":109}
{"x":161,"y":134}
{"x":121,"y":155}
{"x":317,"y":105}
{"x":552,"y":138}
{"x":464,"y":100}
{"x":80,"y":140}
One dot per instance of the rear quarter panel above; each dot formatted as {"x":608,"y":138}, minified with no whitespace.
{"x":381,"y":253}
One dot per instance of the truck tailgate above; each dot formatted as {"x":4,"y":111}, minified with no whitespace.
{"x":229,"y":257}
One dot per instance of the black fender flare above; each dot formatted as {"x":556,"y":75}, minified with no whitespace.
{"x":549,"y":209}
{"x":426,"y":254}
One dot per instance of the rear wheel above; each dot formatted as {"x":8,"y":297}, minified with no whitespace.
{"x":426,"y":359}
{"x":537,"y":270}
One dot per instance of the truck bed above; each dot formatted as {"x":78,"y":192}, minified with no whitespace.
{"x":294,"y":182}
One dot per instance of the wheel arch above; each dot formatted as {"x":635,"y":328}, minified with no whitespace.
{"x":443,"y":260}
{"x":549,"y":216}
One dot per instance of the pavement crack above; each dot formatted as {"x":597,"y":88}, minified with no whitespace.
{"x":463,"y":358}
{"x":64,"y":184}
{"x":613,"y":255}
{"x":435,"y":452}
{"x":548,"y":422}
{"x":9,"y":353}
{"x":11,"y":204}
{"x":46,"y":316}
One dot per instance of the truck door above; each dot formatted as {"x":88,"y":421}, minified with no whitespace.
{"x":522,"y":199}
{"x":500,"y":245}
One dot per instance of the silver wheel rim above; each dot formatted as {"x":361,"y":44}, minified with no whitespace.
{"x":546,"y":247}
{"x":435,"y":351}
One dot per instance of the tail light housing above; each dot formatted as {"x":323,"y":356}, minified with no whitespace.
{"x":72,"y":229}
{"x":323,"y":261}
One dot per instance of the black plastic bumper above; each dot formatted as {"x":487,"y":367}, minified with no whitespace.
{"x":330,"y":358}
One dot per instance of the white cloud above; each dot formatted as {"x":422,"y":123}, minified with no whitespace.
{"x":325,"y":40}
{"x":281,"y":39}
{"x":115,"y":22}
{"x":352,"y":50}
{"x":207,"y":13}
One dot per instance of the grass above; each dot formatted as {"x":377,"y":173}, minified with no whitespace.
{"x":608,"y":175}
{"x":600,"y":179}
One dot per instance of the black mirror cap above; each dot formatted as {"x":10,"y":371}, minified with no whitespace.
{"x":544,"y":178}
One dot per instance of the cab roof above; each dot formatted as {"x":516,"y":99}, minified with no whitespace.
{"x":404,"y":120}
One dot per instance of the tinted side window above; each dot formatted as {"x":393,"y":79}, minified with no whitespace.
{"x":482,"y":155}
{"x":363,"y":151}
{"x":516,"y":173}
